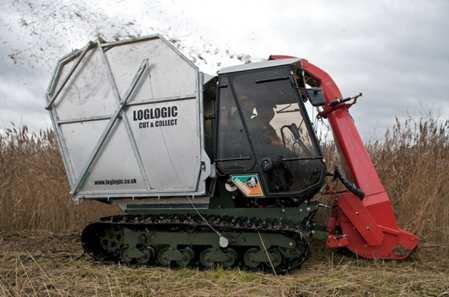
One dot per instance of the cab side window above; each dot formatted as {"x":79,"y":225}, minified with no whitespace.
{"x":233,"y":149}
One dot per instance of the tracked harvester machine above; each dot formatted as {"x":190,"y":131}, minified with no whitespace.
{"x":213,"y":170}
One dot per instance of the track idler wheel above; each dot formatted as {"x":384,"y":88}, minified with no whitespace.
{"x":211,"y":257}
{"x":111,"y":240}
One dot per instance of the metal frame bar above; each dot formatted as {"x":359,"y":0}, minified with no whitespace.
{"x":106,"y":133}
{"x":57,"y":71}
{"x":83,"y":120}
{"x":139,"y":194}
{"x":123,"y":42}
{"x":161,"y":100}
{"x":137,"y":79}
{"x":244,"y":158}
{"x":63,"y":147}
{"x":199,"y":82}
{"x":69,"y":75}
{"x":149,"y":37}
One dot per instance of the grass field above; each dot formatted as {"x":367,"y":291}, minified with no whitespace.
{"x":40,"y":253}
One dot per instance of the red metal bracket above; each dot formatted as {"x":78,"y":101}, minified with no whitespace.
{"x":328,"y":109}
{"x":336,"y":104}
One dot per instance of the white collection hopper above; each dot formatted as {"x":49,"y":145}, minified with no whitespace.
{"x":128,"y":119}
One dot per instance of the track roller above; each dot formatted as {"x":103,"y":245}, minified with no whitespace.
{"x":137,"y":255}
{"x":212,"y":257}
{"x":187,"y":256}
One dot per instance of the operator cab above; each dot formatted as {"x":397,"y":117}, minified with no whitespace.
{"x":264,"y":140}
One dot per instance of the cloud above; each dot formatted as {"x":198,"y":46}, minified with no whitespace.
{"x":394,"y":52}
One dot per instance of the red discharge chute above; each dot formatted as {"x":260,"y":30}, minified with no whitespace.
{"x":367,"y":227}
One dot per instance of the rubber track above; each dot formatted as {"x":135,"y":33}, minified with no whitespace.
{"x":195,"y":223}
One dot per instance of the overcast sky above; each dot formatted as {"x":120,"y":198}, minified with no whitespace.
{"x":395,"y":52}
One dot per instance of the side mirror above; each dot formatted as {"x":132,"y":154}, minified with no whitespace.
{"x":316,"y":96}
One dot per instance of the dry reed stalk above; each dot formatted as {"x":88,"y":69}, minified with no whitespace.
{"x":412,"y":161}
{"x":34,"y":192}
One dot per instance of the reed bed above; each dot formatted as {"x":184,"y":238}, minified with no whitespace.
{"x":34,"y":192}
{"x":412,"y":161}
{"x":40,"y":252}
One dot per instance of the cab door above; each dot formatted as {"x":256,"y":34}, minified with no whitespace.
{"x":263,"y":128}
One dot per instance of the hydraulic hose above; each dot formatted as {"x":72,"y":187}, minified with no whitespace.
{"x":348,"y":184}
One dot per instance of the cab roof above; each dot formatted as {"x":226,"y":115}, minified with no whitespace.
{"x":258,"y":65}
